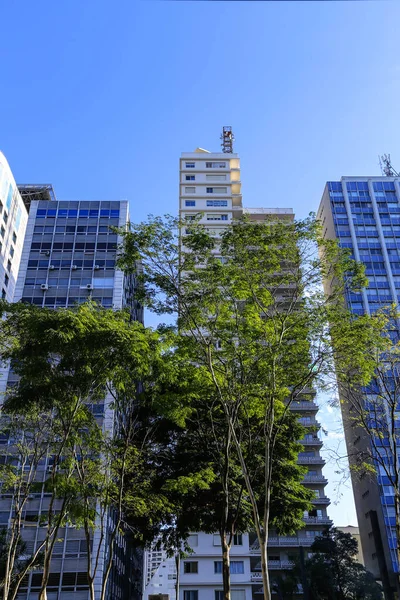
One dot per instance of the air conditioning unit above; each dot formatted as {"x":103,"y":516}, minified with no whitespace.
{"x":74,"y":267}
{"x":96,"y":267}
{"x":89,"y":286}
{"x":44,"y":287}
{"x":51,"y":268}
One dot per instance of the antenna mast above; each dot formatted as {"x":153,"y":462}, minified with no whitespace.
{"x":386,"y":166}
{"x":227,"y":138}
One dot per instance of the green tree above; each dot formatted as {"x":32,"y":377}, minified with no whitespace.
{"x":67,"y":361}
{"x":332,"y":572}
{"x":255,"y":323}
{"x":22,"y":559}
{"x":371,"y":410}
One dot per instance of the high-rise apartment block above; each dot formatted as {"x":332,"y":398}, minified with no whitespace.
{"x":13,"y":220}
{"x":66,"y":253}
{"x":210,"y":189}
{"x":363,"y":214}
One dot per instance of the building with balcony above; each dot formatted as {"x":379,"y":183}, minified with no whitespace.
{"x":210,"y":190}
{"x":363,"y":214}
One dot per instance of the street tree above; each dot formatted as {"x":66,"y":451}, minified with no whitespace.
{"x":333,"y":573}
{"x":250,"y":306}
{"x":66,"y":362}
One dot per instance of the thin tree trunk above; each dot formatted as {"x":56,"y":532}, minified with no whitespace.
{"x":178,"y":568}
{"x":264,"y":568}
{"x":226,"y":567}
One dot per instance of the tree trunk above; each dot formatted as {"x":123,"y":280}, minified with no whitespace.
{"x":264,"y":567}
{"x":91,"y":590}
{"x":226,"y":566}
{"x":178,"y":567}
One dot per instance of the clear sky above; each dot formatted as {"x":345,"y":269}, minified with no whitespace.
{"x":99,"y":98}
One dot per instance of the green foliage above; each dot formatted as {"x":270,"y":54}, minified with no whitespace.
{"x":332,"y":572}
{"x":256,"y":327}
{"x":21,"y":562}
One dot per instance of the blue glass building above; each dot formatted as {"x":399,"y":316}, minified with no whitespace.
{"x":363,"y":214}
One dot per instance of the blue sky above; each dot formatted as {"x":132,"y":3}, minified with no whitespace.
{"x":100,"y":98}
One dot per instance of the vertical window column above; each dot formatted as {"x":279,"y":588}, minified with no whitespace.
{"x":354,"y":239}
{"x":382,"y":241}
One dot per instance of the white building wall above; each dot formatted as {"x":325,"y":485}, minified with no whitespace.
{"x":13,"y":220}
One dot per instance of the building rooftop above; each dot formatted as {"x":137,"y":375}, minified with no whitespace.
{"x":37,"y":191}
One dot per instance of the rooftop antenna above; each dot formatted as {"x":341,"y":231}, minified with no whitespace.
{"x":227,"y":138}
{"x":386,"y":166}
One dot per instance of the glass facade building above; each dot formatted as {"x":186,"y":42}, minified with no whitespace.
{"x":363,"y":214}
{"x":69,"y":256}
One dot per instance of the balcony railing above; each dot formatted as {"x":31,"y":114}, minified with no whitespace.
{"x":304,"y":405}
{"x":311,"y":442}
{"x":309,"y":422}
{"x":273,"y":564}
{"x":283,"y":541}
{"x":317,"y":520}
{"x":310,"y":460}
{"x":315,"y":479}
{"x":321,"y":500}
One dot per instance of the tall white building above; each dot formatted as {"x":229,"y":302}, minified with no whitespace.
{"x":210,"y":186}
{"x":13,"y":220}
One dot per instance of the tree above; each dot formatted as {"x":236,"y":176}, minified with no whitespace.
{"x":22,"y":559}
{"x":66,"y":362}
{"x":332,"y":572}
{"x":255,"y":323}
{"x":371,"y":406}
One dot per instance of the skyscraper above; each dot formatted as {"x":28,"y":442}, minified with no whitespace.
{"x":210,"y":186}
{"x":69,"y":256}
{"x":363,"y":214}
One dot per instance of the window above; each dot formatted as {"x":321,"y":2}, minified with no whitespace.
{"x":237,"y":567}
{"x":238,"y":539}
{"x":14,"y":237}
{"x":215,"y":177}
{"x":190,"y":190}
{"x":6,"y":278}
{"x":217,"y":202}
{"x":9,"y":265}
{"x":193,"y":540}
{"x":190,"y":165}
{"x":3,"y":293}
{"x":190,"y":177}
{"x":216,"y":190}
{"x":190,"y":202}
{"x":190,"y":595}
{"x":12,"y":251}
{"x":238,"y":594}
{"x":2,"y":231}
{"x":190,"y":566}
{"x":218,"y":566}
{"x":217,"y":217}
{"x":215,"y":165}
{"x":217,"y":539}
{"x":219,"y":594}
